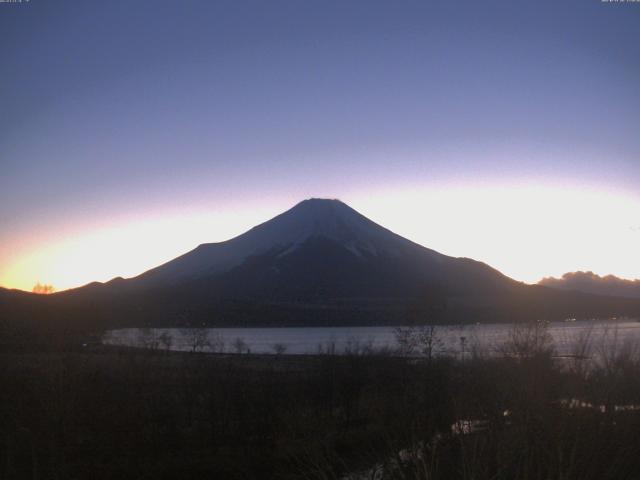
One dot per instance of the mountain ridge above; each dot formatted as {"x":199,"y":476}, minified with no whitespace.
{"x":312,"y":217}
{"x":319,"y":263}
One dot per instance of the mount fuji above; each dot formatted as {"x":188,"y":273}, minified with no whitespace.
{"x":319,"y":263}
{"x":327,"y":239}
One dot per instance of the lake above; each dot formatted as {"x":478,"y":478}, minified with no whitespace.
{"x":452,"y":340}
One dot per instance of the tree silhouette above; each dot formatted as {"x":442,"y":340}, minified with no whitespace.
{"x":43,"y":288}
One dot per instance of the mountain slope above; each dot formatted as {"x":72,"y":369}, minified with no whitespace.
{"x":308,"y":235}
{"x":331,"y":219}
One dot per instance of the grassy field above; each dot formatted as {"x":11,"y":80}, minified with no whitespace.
{"x":114,"y":413}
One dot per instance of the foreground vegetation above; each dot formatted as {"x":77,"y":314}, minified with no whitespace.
{"x":122,"y":413}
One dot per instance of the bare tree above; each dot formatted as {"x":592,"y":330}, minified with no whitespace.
{"x":240,"y":346}
{"x":429,"y":341}
{"x":279,"y":348}
{"x":528,"y":340}
{"x":355,"y":346}
{"x":148,"y":338}
{"x":216,"y":342}
{"x":43,"y":288}
{"x":166,"y":340}
{"x":328,"y":348}
{"x":196,"y":338}
{"x":423,"y":339}
{"x":580,"y":352}
{"x":406,"y":340}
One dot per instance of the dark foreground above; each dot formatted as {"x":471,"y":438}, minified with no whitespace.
{"x":120,"y":414}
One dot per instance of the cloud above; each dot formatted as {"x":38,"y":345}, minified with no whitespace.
{"x":590,"y":282}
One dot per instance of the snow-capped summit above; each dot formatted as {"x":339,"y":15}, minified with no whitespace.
{"x":319,"y":263}
{"x":312,"y":218}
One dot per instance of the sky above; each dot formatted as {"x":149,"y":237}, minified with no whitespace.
{"x":504,"y":131}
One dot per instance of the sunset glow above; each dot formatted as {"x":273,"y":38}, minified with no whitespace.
{"x":462,"y":128}
{"x":527,"y":232}
{"x":336,"y":239}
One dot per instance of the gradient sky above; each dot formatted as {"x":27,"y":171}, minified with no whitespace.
{"x":131,"y":131}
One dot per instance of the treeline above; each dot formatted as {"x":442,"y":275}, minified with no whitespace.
{"x":126,"y":413}
{"x":110,"y":306}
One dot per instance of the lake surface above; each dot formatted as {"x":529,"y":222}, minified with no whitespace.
{"x":452,"y":340}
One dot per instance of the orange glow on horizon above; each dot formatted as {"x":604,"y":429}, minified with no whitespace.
{"x":527,"y":232}
{"x":124,"y":249}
